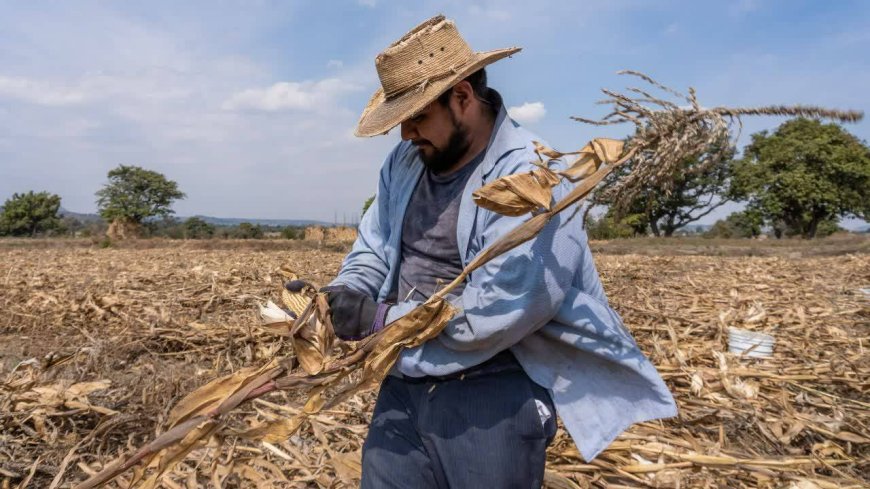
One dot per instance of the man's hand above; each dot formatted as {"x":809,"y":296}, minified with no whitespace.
{"x":354,"y":314}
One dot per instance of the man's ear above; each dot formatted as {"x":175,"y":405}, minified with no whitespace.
{"x":463,"y":94}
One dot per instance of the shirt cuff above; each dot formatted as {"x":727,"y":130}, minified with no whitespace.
{"x":397,"y":311}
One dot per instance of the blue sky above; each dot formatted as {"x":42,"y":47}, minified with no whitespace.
{"x":250,"y":106}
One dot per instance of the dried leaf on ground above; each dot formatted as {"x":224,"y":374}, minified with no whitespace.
{"x":810,"y":395}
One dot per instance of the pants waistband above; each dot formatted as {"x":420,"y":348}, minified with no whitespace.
{"x":504,"y":361}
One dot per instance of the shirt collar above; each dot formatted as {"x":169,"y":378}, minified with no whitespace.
{"x":506,"y":137}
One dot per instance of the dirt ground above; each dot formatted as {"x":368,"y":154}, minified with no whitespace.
{"x":96,"y":345}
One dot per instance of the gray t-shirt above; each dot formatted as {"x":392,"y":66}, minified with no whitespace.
{"x":430,"y":253}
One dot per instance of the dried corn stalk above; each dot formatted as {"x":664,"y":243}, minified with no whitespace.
{"x":515,"y":195}
{"x":200,"y":415}
{"x":665,"y":136}
{"x":667,"y":133}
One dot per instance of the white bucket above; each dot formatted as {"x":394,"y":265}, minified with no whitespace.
{"x":741,"y":340}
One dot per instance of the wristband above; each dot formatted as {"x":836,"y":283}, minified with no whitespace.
{"x":380,"y":318}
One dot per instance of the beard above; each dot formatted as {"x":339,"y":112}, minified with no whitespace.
{"x":441,"y":160}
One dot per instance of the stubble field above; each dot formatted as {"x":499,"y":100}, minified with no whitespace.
{"x":96,"y":345}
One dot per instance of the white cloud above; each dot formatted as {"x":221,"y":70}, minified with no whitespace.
{"x":144,"y":85}
{"x":112,"y":88}
{"x":528,"y":113}
{"x":368,"y":3}
{"x":39,"y":92}
{"x":306,"y":95}
{"x":334,"y":63}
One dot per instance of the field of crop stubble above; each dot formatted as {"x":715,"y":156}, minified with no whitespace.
{"x":96,"y":345}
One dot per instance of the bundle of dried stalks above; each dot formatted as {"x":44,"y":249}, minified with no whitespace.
{"x":336,"y":234}
{"x":315,"y":233}
{"x":201,"y":414}
{"x":668,"y":133}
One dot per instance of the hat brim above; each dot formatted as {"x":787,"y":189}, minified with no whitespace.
{"x":381,"y":115}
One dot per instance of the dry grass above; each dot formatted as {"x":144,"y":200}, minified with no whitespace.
{"x":838,"y":244}
{"x":88,"y":333}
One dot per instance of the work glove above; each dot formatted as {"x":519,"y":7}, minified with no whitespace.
{"x":354,"y":314}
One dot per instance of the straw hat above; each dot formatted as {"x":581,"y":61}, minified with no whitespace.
{"x":416,"y":69}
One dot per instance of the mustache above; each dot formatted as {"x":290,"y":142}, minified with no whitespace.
{"x":420,"y":142}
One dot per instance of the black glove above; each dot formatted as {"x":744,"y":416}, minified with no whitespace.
{"x":354,"y":314}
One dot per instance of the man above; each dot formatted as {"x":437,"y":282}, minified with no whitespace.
{"x":534,"y":335}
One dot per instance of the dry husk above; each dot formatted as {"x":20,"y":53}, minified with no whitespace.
{"x":518,"y":194}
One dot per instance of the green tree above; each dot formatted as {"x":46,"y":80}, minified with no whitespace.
{"x":745,"y":224}
{"x":607,"y":227}
{"x":70,"y":225}
{"x":367,"y":204}
{"x":293,"y":232}
{"x":699,"y":188}
{"x":827,"y":228}
{"x":804,"y":174}
{"x":30,"y":214}
{"x":134,"y":194}
{"x":196,"y":228}
{"x":246,"y":230}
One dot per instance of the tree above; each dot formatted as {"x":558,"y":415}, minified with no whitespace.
{"x":70,"y":225}
{"x":134,"y":194}
{"x":29,"y":214}
{"x":367,"y":204}
{"x":804,"y":174}
{"x":293,"y":232}
{"x":166,"y":227}
{"x":196,"y":228}
{"x":699,"y":188}
{"x":246,"y":230}
{"x":827,"y":228}
{"x":605,"y":227}
{"x":745,"y":224}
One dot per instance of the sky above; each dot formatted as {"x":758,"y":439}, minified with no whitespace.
{"x":250,"y":106}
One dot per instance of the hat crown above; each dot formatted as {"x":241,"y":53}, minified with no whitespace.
{"x":430,"y":51}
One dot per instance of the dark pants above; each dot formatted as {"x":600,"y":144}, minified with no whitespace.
{"x":477,"y":430}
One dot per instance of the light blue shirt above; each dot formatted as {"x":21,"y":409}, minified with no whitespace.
{"x":543,"y":300}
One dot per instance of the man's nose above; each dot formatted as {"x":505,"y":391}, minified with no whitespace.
{"x":409,"y":131}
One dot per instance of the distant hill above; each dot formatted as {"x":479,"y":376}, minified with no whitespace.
{"x":235,"y":221}
{"x":696,"y":228}
{"x":217,"y":221}
{"x":78,"y":215}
